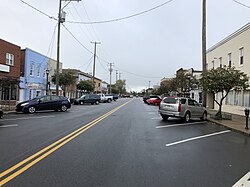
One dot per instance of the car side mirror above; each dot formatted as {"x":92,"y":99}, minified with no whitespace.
{"x":39,"y":100}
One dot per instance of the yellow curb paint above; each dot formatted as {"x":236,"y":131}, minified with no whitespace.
{"x":61,"y":142}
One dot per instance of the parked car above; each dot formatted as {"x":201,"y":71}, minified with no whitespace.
{"x":180,"y":107}
{"x":154,"y":101}
{"x":1,"y":113}
{"x":47,"y":102}
{"x":106,"y":98}
{"x":146,"y":97}
{"x":88,"y":98}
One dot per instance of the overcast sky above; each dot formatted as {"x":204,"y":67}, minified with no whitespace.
{"x":144,"y":48}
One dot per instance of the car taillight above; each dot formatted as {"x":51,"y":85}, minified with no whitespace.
{"x":179,"y":107}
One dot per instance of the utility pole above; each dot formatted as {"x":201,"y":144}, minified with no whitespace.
{"x":110,"y":74}
{"x":204,"y":46}
{"x":93,"y":75}
{"x":58,"y":47}
{"x":116,"y":75}
{"x":61,"y":19}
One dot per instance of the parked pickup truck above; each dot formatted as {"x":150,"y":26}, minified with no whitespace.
{"x":115,"y":97}
{"x":106,"y":98}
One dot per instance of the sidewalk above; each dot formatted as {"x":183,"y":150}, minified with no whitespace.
{"x":237,"y":123}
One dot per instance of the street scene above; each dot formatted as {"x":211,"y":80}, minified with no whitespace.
{"x":123,"y":143}
{"x":125,"y":93}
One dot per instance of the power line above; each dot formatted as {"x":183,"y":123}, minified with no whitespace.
{"x":106,"y":21}
{"x":122,"y":18}
{"x":137,"y":74}
{"x":52,"y":42}
{"x":102,"y":64}
{"x":36,"y":9}
{"x":89,"y":61}
{"x":242,"y":4}
{"x":76,"y":39}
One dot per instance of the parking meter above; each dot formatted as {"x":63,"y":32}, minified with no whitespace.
{"x":247,"y":115}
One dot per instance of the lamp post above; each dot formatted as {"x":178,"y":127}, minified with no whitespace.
{"x":47,"y":81}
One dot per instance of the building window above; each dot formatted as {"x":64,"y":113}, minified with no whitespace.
{"x":38,"y":71}
{"x":8,"y":91}
{"x":241,"y":53}
{"x":229,"y":59}
{"x":213,"y":64}
{"x":9,"y":59}
{"x":246,"y":96}
{"x":44,"y":72}
{"x":38,"y":93}
{"x":220,"y":61}
{"x":230,"y":98}
{"x":237,"y":98}
{"x":31,"y":70}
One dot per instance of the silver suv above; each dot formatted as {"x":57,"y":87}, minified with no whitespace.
{"x":180,"y":107}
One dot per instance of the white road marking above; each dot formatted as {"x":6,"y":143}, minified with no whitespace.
{"x":244,"y":181}
{"x":24,"y":118}
{"x":198,"y":137}
{"x":176,"y":125}
{"x":4,"y":126}
{"x":156,"y":118}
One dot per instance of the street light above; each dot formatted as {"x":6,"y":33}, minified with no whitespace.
{"x":47,"y":81}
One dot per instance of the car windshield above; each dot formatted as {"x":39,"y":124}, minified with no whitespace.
{"x":170,"y":100}
{"x":82,"y":96}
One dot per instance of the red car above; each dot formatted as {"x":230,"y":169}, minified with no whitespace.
{"x":154,"y":101}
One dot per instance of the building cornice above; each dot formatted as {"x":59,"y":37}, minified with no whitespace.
{"x":231,"y":36}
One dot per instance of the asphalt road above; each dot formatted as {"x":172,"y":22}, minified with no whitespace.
{"x":123,"y":143}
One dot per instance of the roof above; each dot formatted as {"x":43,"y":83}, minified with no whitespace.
{"x":231,"y":36}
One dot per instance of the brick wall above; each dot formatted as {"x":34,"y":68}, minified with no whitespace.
{"x":6,"y":47}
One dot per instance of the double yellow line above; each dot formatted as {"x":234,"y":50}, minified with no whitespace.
{"x":35,"y":158}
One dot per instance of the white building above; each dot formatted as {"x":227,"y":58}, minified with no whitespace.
{"x":234,"y":50}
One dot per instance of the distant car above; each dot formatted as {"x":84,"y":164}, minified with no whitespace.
{"x":146,"y":97}
{"x":180,"y":107}
{"x":88,"y":98}
{"x":1,"y":113}
{"x":154,"y":101}
{"x":47,"y":102}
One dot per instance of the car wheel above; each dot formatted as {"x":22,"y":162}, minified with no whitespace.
{"x":97,"y":102}
{"x":109,"y":100}
{"x":187,"y":117}
{"x":164,"y":117}
{"x":81,"y":102}
{"x":204,"y":116}
{"x":64,"y":108}
{"x":32,"y":109}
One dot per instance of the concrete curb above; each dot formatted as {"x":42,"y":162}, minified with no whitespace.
{"x":233,"y":129}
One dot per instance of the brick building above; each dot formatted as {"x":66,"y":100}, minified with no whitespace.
{"x":9,"y":74}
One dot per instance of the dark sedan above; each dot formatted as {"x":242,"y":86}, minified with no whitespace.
{"x":47,"y":102}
